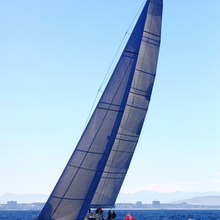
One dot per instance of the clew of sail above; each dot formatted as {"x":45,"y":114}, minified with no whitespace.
{"x":95,"y":172}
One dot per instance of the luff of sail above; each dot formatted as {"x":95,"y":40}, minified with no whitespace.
{"x":94,"y":174}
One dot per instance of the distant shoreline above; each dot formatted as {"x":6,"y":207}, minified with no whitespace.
{"x":156,"y":205}
{"x":167,"y":208}
{"x":134,"y":209}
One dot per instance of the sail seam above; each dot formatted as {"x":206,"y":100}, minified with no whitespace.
{"x":135,"y":93}
{"x":128,"y":135}
{"x":122,"y":151}
{"x":128,"y":56}
{"x":132,"y":106}
{"x":108,"y":172}
{"x":113,"y":178}
{"x":83,"y":168}
{"x":138,"y":90}
{"x":108,"y":109}
{"x":151,"y":33}
{"x":148,"y":42}
{"x":109,"y":103}
{"x":131,"y":52}
{"x":89,"y":152}
{"x":145,"y":72}
{"x":62,"y":198}
{"x":122,"y":139}
{"x":149,"y":38}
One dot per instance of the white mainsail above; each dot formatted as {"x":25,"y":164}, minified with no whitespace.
{"x":96,"y":170}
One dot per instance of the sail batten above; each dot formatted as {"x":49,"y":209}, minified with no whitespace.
{"x":96,"y":170}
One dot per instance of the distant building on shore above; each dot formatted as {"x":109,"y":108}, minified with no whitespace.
{"x":11,"y":205}
{"x":156,"y":204}
{"x":14,"y":205}
{"x":139,"y":204}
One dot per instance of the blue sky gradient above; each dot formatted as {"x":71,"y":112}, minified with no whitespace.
{"x":53,"y":58}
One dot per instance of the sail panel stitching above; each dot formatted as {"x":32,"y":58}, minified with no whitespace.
{"x":90,"y":152}
{"x":108,"y":109}
{"x":122,"y":139}
{"x":135,"y":93}
{"x":62,"y":198}
{"x":127,"y":56}
{"x":151,"y":33}
{"x":138,"y":90}
{"x":149,"y":38}
{"x":148,"y":42}
{"x":122,"y":151}
{"x":83,"y":168}
{"x":128,"y":135}
{"x":109,"y":103}
{"x":127,"y":51}
{"x":136,"y":107}
{"x":113,"y":178}
{"x":109,"y":172}
{"x":145,"y":72}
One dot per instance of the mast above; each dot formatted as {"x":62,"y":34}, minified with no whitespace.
{"x":102,"y":156}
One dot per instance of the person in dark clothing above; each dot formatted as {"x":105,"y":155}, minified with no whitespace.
{"x":109,"y":215}
{"x":113,"y":216}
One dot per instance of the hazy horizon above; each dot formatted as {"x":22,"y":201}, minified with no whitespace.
{"x":145,"y":197}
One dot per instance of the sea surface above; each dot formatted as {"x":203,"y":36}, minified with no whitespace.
{"x":138,"y":214}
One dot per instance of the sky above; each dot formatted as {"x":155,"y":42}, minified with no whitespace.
{"x":54,"y":56}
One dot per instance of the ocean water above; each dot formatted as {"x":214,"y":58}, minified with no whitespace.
{"x":138,"y":214}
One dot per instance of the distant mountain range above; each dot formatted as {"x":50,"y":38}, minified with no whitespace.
{"x":149,"y":196}
{"x":205,"y":200}
{"x":193,"y":198}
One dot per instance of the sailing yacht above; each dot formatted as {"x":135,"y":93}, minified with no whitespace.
{"x":97,"y":168}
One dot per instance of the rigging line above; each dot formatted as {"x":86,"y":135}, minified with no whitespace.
{"x":110,"y":66}
{"x":91,"y":109}
{"x":105,"y":78}
{"x":117,"y":51}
